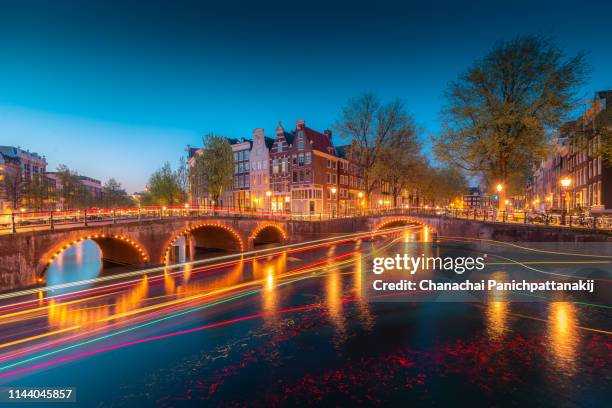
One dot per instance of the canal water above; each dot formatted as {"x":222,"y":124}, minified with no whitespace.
{"x":317,"y":341}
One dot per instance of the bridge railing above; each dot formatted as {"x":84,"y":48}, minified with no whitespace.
{"x":30,"y":220}
{"x":27,"y":221}
{"x":597,"y":222}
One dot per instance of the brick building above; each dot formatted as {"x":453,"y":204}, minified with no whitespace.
{"x":260,"y":170}
{"x":314,"y":172}
{"x":576,"y":156}
{"x":280,"y":175}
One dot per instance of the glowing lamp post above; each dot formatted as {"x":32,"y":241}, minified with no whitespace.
{"x":361,"y":202}
{"x":268,"y":195}
{"x":501,"y":199}
{"x":334,"y":203}
{"x":566,"y":182}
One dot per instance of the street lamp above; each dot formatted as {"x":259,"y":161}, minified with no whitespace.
{"x":565,"y":183}
{"x":500,"y":197}
{"x":360,"y":200}
{"x":269,"y":194}
{"x":333,"y":191}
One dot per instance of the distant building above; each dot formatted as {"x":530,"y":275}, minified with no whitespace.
{"x":260,"y":170}
{"x":18,"y":164}
{"x":473,"y":199}
{"x":92,"y":188}
{"x":198,"y":195}
{"x":90,"y":193}
{"x":351,"y":183}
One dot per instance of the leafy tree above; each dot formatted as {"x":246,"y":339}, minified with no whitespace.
{"x":605,"y":151}
{"x":114,"y":195}
{"x":36,"y":192}
{"x":501,"y":111}
{"x":441,"y":185}
{"x":374,"y":130}
{"x":165,"y":188}
{"x":214,"y":168}
{"x":70,"y":190}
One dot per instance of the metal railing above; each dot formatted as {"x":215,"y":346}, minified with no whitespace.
{"x":597,"y":222}
{"x":31,"y":221}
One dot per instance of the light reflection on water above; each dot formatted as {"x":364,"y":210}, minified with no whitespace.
{"x":81,"y":261}
{"x":563,"y":335}
{"x":494,"y":325}
{"x":497,"y":309}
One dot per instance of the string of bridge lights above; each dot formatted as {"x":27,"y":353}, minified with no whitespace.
{"x":130,"y":241}
{"x":198,"y":226}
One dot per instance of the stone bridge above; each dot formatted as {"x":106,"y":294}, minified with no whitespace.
{"x":25,"y":256}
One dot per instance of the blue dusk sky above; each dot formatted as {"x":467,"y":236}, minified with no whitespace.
{"x":114,"y":89}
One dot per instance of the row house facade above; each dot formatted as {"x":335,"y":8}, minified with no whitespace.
{"x":591,"y":176}
{"x":298,"y":171}
{"x":18,"y":168}
{"x":315,"y":170}
{"x":260,"y":170}
{"x":576,"y":156}
{"x":280,"y":175}
{"x":241,"y":193}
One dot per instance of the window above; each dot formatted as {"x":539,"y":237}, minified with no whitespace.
{"x":275,"y":166}
{"x":301,"y":141}
{"x":294,"y":160}
{"x":301,"y":159}
{"x":295,"y":177}
{"x":308,"y":158}
{"x":279,"y":147}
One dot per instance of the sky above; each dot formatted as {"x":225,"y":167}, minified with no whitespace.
{"x":115,"y":88}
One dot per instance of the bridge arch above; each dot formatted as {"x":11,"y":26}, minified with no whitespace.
{"x":115,"y":248}
{"x":267,"y":233}
{"x":214,"y":235}
{"x":390,"y":222}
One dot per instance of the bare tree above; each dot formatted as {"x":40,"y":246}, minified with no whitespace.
{"x":14,"y":185}
{"x":373,"y":128}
